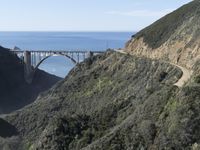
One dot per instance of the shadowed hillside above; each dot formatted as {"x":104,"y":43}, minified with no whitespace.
{"x":15,"y":92}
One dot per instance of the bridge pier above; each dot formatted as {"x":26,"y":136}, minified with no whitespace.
{"x":28,"y":70}
{"x":89,"y":54}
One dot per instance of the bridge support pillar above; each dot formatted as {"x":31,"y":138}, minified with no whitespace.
{"x":28,"y":70}
{"x":90,"y":54}
{"x":90,"y":57}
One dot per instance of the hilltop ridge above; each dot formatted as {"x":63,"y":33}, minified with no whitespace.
{"x":175,"y":37}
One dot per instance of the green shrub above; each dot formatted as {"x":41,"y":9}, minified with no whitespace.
{"x":197,"y":79}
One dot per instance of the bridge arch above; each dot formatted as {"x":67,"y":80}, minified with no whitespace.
{"x":41,"y":61}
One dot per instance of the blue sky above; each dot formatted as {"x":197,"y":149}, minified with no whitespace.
{"x":83,"y":15}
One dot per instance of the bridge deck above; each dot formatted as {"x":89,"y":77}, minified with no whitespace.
{"x":56,"y":51}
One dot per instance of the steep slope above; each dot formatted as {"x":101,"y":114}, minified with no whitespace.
{"x":114,"y":101}
{"x":175,"y":37}
{"x":7,"y":131}
{"x":14,"y":91}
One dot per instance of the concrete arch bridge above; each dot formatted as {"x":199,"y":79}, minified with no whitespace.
{"x":32,"y":59}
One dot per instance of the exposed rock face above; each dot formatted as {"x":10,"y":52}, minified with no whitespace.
{"x":175,"y":37}
{"x":15,"y":92}
{"x":116,"y":101}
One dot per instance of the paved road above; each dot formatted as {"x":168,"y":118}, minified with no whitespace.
{"x":184,"y":78}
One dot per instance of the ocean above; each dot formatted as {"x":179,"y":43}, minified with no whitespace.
{"x":59,"y":65}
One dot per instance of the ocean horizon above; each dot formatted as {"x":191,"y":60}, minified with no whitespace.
{"x":43,"y":40}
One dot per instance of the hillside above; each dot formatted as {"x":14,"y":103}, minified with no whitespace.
{"x":15,"y":92}
{"x":175,"y":37}
{"x":113,"y":101}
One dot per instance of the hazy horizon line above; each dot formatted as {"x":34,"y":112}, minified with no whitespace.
{"x":66,"y":31}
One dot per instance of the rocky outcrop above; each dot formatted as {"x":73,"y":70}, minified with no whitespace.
{"x":15,"y":92}
{"x":175,"y":37}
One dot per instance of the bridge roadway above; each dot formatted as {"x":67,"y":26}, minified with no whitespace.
{"x":33,"y":58}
